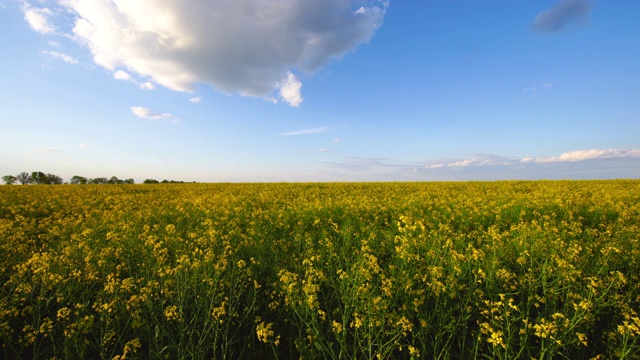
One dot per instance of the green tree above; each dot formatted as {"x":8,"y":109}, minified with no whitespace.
{"x":9,"y":179}
{"x":76,"y":179}
{"x":151,"y":181}
{"x":24,"y":178}
{"x":51,"y":179}
{"x":38,"y":177}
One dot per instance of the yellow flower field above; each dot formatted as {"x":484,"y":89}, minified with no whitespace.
{"x":508,"y":270}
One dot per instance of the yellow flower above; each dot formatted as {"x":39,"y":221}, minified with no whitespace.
{"x":171,"y":313}
{"x":337,"y":327}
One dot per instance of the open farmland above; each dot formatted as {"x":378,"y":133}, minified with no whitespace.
{"x":540,"y":269}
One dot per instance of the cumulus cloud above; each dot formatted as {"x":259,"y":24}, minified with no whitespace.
{"x":582,"y":155}
{"x":146,"y":113}
{"x":196,"y":99}
{"x":244,"y":46}
{"x":318,"y":130}
{"x":55,"y":55}
{"x":37,"y":18}
{"x":562,"y":14}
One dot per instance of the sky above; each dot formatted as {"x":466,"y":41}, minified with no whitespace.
{"x":329,"y":90}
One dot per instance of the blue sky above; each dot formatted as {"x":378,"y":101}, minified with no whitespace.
{"x":310,"y":90}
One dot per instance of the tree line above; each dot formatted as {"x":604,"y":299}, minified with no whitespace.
{"x":40,"y":178}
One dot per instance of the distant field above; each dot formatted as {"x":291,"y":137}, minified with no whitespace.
{"x":541,"y":269}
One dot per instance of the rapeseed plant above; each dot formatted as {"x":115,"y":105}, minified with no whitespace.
{"x":510,"y":270}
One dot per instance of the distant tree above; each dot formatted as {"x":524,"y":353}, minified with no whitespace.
{"x":38,"y":177}
{"x":76,"y":179}
{"x":9,"y":179}
{"x":129,"y":181}
{"x":113,"y":180}
{"x":151,"y":181}
{"x":51,"y":179}
{"x":101,"y":180}
{"x":24,"y":178}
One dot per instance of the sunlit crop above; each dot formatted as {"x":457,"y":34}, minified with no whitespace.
{"x":509,"y":270}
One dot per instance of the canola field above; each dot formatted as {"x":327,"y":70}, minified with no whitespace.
{"x":446,"y":270}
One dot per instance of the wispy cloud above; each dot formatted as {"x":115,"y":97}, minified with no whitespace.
{"x":538,"y":88}
{"x":571,"y":156}
{"x":584,"y":155}
{"x":595,"y":163}
{"x":55,"y":55}
{"x":37,"y":18}
{"x":146,"y":113}
{"x":147,"y":86}
{"x":360,"y":164}
{"x":196,"y":99}
{"x":477,"y":160}
{"x":48,"y":150}
{"x":318,"y":130}
{"x":563,"y":13}
{"x":125,"y":76}
{"x":85,"y":146}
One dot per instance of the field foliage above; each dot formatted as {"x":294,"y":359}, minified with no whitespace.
{"x":509,"y":270}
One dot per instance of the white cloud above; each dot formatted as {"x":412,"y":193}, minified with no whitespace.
{"x":146,"y":113}
{"x":84,"y":146}
{"x":122,"y":75}
{"x":37,"y":18}
{"x":242,"y":46}
{"x":318,"y":130}
{"x":465,"y":162}
{"x":196,"y":99}
{"x":585,"y":164}
{"x":478,"y":160}
{"x":582,"y":155}
{"x":290,"y":90}
{"x":571,"y":156}
{"x":147,"y":86}
{"x":435,"y":166}
{"x":55,"y":55}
